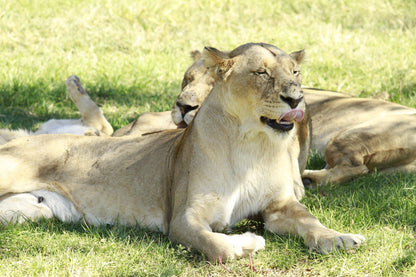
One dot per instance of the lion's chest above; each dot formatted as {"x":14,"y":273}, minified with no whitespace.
{"x":251,"y":186}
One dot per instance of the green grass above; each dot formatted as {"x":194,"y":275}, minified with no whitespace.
{"x":130,"y":56}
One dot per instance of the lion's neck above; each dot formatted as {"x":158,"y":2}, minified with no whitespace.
{"x":218,"y":127}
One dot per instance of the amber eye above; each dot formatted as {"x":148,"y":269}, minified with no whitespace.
{"x":296,"y":72}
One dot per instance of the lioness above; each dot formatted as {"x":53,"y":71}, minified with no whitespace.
{"x":355,"y":135}
{"x":92,"y":121}
{"x":238,"y":157}
{"x":359,"y":135}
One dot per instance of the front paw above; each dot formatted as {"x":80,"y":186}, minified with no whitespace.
{"x":245,"y":244}
{"x":329,"y":240}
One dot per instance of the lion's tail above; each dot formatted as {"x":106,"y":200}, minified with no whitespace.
{"x":8,"y":135}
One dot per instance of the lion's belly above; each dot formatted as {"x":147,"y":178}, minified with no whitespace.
{"x":127,"y":205}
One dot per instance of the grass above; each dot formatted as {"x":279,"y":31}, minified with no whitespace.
{"x":130,"y":56}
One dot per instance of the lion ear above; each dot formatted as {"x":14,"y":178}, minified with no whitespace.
{"x":196,"y":55}
{"x":298,"y":56}
{"x":218,"y":61}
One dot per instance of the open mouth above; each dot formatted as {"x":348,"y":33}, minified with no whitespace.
{"x":286,"y":121}
{"x":281,"y":126}
{"x":182,"y":125}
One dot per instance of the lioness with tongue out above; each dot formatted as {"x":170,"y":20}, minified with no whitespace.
{"x":238,"y":157}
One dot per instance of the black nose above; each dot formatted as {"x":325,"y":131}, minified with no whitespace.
{"x":292,"y":102}
{"x":186,"y":108}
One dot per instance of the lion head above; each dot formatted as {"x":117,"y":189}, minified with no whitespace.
{"x":197,"y":83}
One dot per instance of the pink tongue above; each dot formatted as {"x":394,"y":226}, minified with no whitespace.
{"x":292,"y":115}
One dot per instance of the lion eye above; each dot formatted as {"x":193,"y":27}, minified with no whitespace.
{"x":262,"y":73}
{"x":184,"y":83}
{"x":296,"y":72}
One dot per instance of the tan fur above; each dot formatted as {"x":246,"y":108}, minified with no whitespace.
{"x":8,"y":135}
{"x":227,"y":165}
{"x":147,"y":123}
{"x":92,"y":121}
{"x":358,"y":135}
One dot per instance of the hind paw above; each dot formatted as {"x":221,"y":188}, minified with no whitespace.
{"x":74,"y":86}
{"x":76,"y":91}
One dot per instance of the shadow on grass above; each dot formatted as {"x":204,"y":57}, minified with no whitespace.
{"x":26,"y":105}
{"x":408,"y":260}
{"x":405,"y":95}
{"x":132,"y":235}
{"x":385,"y":199}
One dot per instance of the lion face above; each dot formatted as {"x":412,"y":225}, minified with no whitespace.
{"x":265,"y":84}
{"x":196,"y":85}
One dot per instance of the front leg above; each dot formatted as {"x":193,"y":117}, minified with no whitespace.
{"x":293,"y":217}
{"x":193,"y":230}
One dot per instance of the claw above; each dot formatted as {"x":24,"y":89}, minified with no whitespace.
{"x":223,"y":266}
{"x":253,"y":268}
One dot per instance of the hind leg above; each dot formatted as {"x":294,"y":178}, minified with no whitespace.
{"x":386,"y":143}
{"x":408,"y":168}
{"x":345,"y":157}
{"x":337,"y":174}
{"x":91,"y":114}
